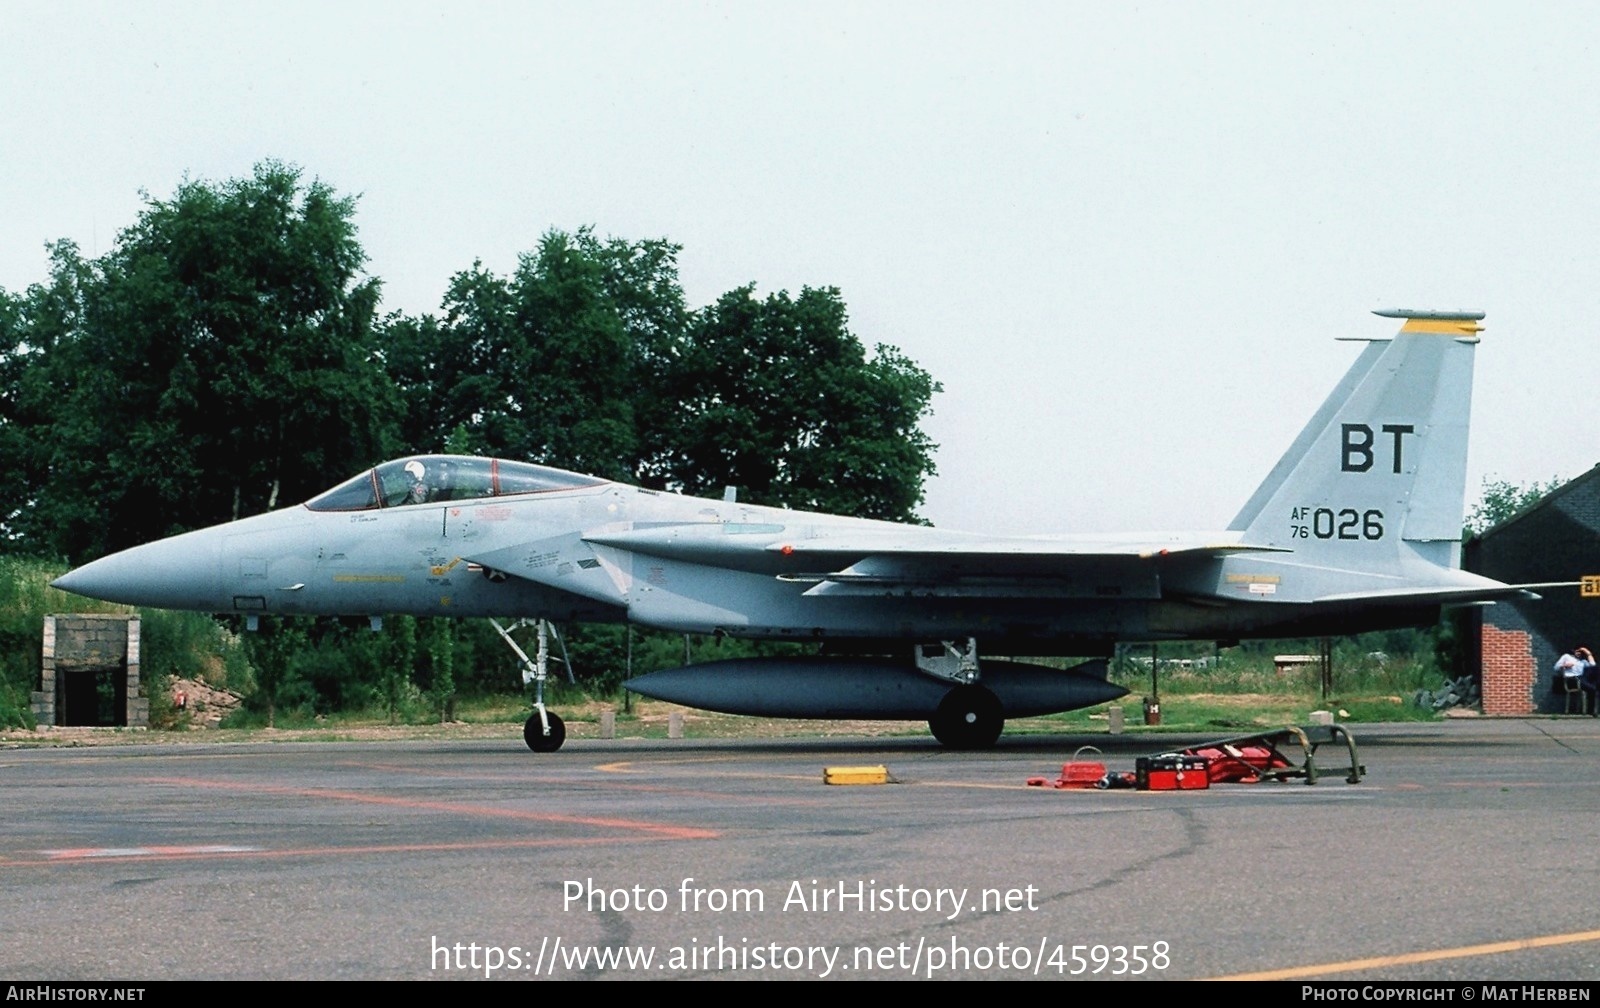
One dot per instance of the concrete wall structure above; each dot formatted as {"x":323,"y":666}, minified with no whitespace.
{"x":81,"y":651}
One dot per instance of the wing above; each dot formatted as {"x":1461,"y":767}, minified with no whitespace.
{"x":912,"y":560}
{"x":876,"y":560}
{"x":1127,"y":569}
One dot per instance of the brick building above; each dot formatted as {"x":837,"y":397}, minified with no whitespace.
{"x":1514,"y":644}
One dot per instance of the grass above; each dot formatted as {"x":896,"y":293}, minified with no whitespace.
{"x":503,"y":717}
{"x":1240,"y":713}
{"x":1232,"y":696}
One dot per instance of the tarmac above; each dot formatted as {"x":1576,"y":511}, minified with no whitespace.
{"x":1463,"y":853}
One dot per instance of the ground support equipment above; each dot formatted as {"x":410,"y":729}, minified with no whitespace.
{"x":1080,"y":773}
{"x":1251,"y":758}
{"x":1243,"y":759}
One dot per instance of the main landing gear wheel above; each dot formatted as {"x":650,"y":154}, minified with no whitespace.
{"x":538,"y":741}
{"x":969,"y":717}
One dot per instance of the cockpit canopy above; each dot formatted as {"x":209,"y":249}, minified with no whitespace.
{"x":427,"y":479}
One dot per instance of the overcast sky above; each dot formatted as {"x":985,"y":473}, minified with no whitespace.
{"x":1123,"y":236}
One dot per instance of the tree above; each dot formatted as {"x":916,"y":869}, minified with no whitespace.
{"x":439,"y":646}
{"x":272,"y":649}
{"x":551,"y":364}
{"x":586,"y":358}
{"x":218,"y":362}
{"x":778,"y":398}
{"x":397,"y":657}
{"x":449,"y":372}
{"x":32,"y":326}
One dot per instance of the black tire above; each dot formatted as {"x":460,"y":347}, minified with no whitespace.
{"x":538,"y":741}
{"x":969,"y":717}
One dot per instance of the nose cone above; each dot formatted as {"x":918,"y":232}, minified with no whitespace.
{"x":177,"y":573}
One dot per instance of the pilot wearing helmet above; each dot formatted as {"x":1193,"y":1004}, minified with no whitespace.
{"x":417,"y":492}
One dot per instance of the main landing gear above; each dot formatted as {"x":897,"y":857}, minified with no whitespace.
{"x":970,"y":716}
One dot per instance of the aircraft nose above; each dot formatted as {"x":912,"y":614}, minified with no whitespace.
{"x":178,"y":573}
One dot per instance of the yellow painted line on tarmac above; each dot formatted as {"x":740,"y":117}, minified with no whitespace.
{"x":627,"y":766}
{"x":1412,"y":958}
{"x":111,"y":856}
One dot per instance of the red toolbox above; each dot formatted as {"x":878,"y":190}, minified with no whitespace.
{"x":1171,"y":773}
{"x":1080,"y":773}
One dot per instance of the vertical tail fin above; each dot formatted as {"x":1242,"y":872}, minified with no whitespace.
{"x":1376,"y":480}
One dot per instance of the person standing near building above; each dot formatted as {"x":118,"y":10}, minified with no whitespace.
{"x":1588,"y":679}
{"x":1578,"y":667}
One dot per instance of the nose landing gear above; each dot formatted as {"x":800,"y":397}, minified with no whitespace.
{"x":544,"y":731}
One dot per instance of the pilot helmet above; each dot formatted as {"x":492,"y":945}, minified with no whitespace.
{"x":414,"y":471}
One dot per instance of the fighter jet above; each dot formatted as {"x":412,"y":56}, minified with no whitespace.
{"x":1356,"y":528}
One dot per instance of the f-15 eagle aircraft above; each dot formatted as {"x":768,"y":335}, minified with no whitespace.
{"x":1356,"y":528}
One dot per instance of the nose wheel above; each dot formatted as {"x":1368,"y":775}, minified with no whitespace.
{"x":969,"y":717}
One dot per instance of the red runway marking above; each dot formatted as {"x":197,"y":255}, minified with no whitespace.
{"x":634,"y":830}
{"x":662,"y":830}
{"x":610,"y":784}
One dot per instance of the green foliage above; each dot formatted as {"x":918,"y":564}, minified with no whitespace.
{"x":219,"y":361}
{"x":586,"y":358}
{"x":396,"y":657}
{"x":549,"y":364}
{"x":192,"y":646}
{"x":274,"y":648}
{"x":438,"y":642}
{"x":810,"y":422}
